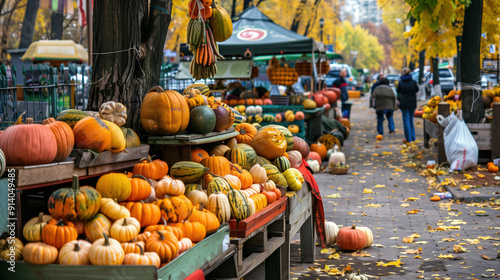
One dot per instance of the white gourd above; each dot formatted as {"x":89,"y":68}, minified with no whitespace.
{"x":336,"y":157}
{"x":314,"y":164}
{"x":331,"y":231}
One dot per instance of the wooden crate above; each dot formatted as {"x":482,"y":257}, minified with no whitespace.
{"x":482,"y":134}
{"x":39,"y":174}
{"x":87,"y":158}
{"x":201,"y":255}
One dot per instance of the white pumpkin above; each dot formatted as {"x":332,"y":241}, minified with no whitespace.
{"x":114,"y":112}
{"x":369,"y":236}
{"x":269,"y":185}
{"x":331,"y":230}
{"x":259,"y":174}
{"x":314,"y":164}
{"x":258,"y":110}
{"x":295,"y":158}
{"x":197,"y":197}
{"x":250,"y":110}
{"x":336,"y":157}
{"x":358,"y":276}
{"x":251,"y":206}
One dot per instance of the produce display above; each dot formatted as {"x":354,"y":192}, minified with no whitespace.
{"x":281,"y":75}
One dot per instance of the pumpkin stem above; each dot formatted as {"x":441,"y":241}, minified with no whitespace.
{"x":359,"y":271}
{"x":124,"y":222}
{"x":353,"y":227}
{"x":162,"y":237}
{"x":140,"y":176}
{"x":242,"y":131}
{"x":140,"y":248}
{"x":106,"y":239}
{"x":75,"y":186}
{"x":61,"y":223}
{"x":40,"y":218}
{"x":49,"y":121}
{"x":77,"y":247}
{"x":200,"y":206}
{"x":164,"y":221}
{"x":148,"y":159}
{"x":29,"y":121}
{"x":156,"y":89}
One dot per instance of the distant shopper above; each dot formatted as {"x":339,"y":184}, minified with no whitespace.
{"x":383,"y":100}
{"x":377,"y":83}
{"x":407,"y":95}
{"x":341,"y":84}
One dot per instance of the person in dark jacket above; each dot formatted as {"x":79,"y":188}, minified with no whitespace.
{"x":407,"y":95}
{"x":377,"y":83}
{"x":384,"y":101}
{"x":341,"y":84}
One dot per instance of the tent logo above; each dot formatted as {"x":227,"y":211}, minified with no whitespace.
{"x":252,"y":34}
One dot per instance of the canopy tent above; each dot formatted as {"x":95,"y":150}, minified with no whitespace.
{"x":256,"y":33}
{"x":329,"y":55}
{"x":55,"y":50}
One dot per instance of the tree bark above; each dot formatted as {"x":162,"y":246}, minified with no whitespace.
{"x":56,"y":27}
{"x":472,"y":105}
{"x":310,"y":24}
{"x":233,"y":9}
{"x":246,"y":4}
{"x":128,"y":52}
{"x":29,"y":23}
{"x":5,"y":31}
{"x":298,"y":16}
{"x":421,"y":66}
{"x":458,"y":77}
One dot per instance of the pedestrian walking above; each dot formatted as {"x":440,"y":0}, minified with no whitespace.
{"x":407,"y":95}
{"x":383,"y":100}
{"x":341,"y":84}
{"x":377,"y":83}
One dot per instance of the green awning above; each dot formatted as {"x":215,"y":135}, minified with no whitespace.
{"x":329,"y":55}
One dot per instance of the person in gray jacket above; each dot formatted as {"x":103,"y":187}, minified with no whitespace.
{"x":384,"y":101}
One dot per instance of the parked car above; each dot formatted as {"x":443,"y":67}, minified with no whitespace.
{"x":446,"y":80}
{"x":333,"y":75}
{"x":486,"y":78}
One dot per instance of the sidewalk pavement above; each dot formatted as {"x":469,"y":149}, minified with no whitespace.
{"x":379,"y":166}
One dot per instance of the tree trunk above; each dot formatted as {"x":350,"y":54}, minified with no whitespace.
{"x":233,"y":9}
{"x":29,"y":23}
{"x":246,"y":4}
{"x":421,"y":66}
{"x":56,"y":27}
{"x":458,"y":76}
{"x":435,"y":76}
{"x":5,"y":31}
{"x":298,"y":16}
{"x":472,"y":105}
{"x":127,"y":61}
{"x":312,"y":21}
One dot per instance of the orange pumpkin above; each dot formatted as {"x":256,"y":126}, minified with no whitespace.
{"x":197,"y":155}
{"x":217,"y":165}
{"x":192,"y":230}
{"x":146,"y":213}
{"x":64,"y":138}
{"x":379,"y":137}
{"x":492,"y":168}
{"x":247,"y":132}
{"x":151,"y":169}
{"x":351,"y":239}
{"x":163,"y":226}
{"x":164,"y":112}
{"x":91,"y":133}
{"x":270,"y":143}
{"x":175,"y":208}
{"x":242,"y":174}
{"x":169,"y":186}
{"x":320,"y":149}
{"x":164,"y":243}
{"x":57,"y":233}
{"x":206,"y":218}
{"x":141,"y":189}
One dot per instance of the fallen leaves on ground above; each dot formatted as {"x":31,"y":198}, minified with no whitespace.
{"x":373,"y":205}
{"x":448,"y":239}
{"x":397,"y":263}
{"x":487,"y":238}
{"x":472,"y":241}
{"x":361,"y":254}
{"x":328,"y":251}
{"x":468,"y":176}
{"x":413,"y":198}
{"x":414,"y":211}
{"x":368,"y":191}
{"x":335,"y":256}
{"x":379,"y":186}
{"x":459,"y":249}
{"x":337,"y":195}
{"x":410,"y":238}
{"x":405,"y":205}
{"x":414,"y":251}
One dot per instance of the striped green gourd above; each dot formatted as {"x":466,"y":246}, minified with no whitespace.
{"x":238,"y":118}
{"x":188,"y":171}
{"x":218,"y":184}
{"x":191,"y":187}
{"x":3,"y":163}
{"x":204,"y":90}
{"x":282,"y":163}
{"x":262,"y":160}
{"x":251,"y":155}
{"x":71,"y":116}
{"x":267,"y":118}
{"x":239,"y":204}
{"x":288,"y":135}
{"x":275,"y":175}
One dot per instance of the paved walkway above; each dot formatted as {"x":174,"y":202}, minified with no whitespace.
{"x":379,"y":166}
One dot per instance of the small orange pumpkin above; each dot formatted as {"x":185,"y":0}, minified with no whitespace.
{"x":492,"y":168}
{"x":380,"y":137}
{"x":197,"y":155}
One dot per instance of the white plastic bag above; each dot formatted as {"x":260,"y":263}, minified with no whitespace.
{"x":460,"y":147}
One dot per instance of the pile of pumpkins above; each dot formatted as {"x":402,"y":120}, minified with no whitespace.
{"x":351,"y":238}
{"x":490,"y":96}
{"x":281,"y":75}
{"x":53,"y":141}
{"x":255,"y":116}
{"x":319,"y":152}
{"x":248,"y":101}
{"x":430,"y":111}
{"x":167,"y":112}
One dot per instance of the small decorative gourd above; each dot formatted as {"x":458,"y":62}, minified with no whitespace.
{"x":359,"y":276}
{"x":331,"y":231}
{"x":336,"y":157}
{"x":114,"y":112}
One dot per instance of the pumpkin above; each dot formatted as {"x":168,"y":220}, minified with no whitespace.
{"x":146,"y":213}
{"x":320,"y":149}
{"x":336,"y":157}
{"x":218,"y":204}
{"x":75,"y":253}
{"x":275,"y":175}
{"x":92,"y":133}
{"x":288,"y":135}
{"x":114,"y":185}
{"x":492,"y":168}
{"x":79,"y":226}
{"x":233,"y":181}
{"x":164,"y":243}
{"x":259,"y":174}
{"x":192,"y":230}
{"x":269,"y":186}
{"x":263,"y":160}
{"x":294,"y":129}
{"x":197,"y":197}
{"x":239,"y":204}
{"x":11,"y":249}
{"x":260,"y":201}
{"x":299,"y":116}
{"x":140,"y":188}
{"x":243,"y":155}
{"x":246,"y":133}
{"x":379,"y":137}
{"x":169,"y":186}
{"x":190,"y":187}
{"x":131,"y":138}
{"x":28,"y":144}
{"x":175,"y":208}
{"x":75,"y":203}
{"x":253,"y":190}
{"x":114,"y":112}
{"x":245,"y":177}
{"x":301,"y":146}
{"x":131,"y":247}
{"x":194,"y":100}
{"x":164,"y":112}
{"x":71,"y":116}
{"x":331,"y":232}
{"x":175,"y":230}
{"x":149,"y":258}
{"x":435,"y":198}
{"x":32,"y":230}
{"x":58,"y":233}
{"x":251,"y":206}
{"x":231,"y":143}
{"x":64,"y":138}
{"x":118,"y":142}
{"x":106,"y":251}
{"x":144,"y":236}
{"x":96,"y":227}
{"x":206,"y":218}
{"x":113,"y":210}
{"x":151,"y":169}
{"x":184,"y":245}
{"x":368,"y":234}
{"x":188,"y":171}
{"x":221,"y":24}
{"x":197,"y":155}
{"x":202,"y":88}
{"x":314,"y":165}
{"x":270,"y":196}
{"x":125,"y":229}
{"x":294,"y":179}
{"x":218,"y":184}
{"x":216,"y":165}
{"x":295,"y":158}
{"x":282,"y":163}
{"x":270,"y":143}
{"x":202,"y":120}
{"x":39,"y":253}
{"x":351,"y":239}
{"x":218,"y":150}
{"x":314,"y":156}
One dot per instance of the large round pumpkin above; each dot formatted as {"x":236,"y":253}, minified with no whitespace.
{"x":243,"y":155}
{"x":175,"y":208}
{"x":201,"y":120}
{"x":301,"y":146}
{"x":287,"y":133}
{"x":146,"y":213}
{"x":39,"y":253}
{"x":206,"y":218}
{"x":92,"y":133}
{"x":270,"y":143}
{"x":164,"y":112}
{"x":114,"y":185}
{"x":351,"y":239}
{"x":320,"y":149}
{"x":28,"y":144}
{"x":216,"y":165}
{"x":64,"y":138}
{"x":106,"y":251}
{"x":197,"y":155}
{"x":75,"y":203}
{"x":57,"y":233}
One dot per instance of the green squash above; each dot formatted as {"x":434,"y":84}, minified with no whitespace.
{"x":71,"y":116}
{"x":201,"y":120}
{"x":188,"y":171}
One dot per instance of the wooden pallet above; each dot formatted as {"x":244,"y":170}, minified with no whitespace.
{"x":87,"y":158}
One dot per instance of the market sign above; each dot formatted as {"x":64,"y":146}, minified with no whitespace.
{"x":252,"y":34}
